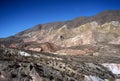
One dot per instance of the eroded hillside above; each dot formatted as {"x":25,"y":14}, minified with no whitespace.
{"x":82,"y":49}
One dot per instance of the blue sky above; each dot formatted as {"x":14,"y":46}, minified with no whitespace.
{"x":18,"y":15}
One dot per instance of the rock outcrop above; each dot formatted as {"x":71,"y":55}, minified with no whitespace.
{"x":37,"y":72}
{"x":18,"y":65}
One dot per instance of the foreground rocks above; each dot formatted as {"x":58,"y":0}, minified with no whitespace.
{"x":18,"y":65}
{"x":19,"y":71}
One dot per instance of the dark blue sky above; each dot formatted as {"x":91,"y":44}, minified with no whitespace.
{"x":18,"y":15}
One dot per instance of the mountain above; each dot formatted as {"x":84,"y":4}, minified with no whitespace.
{"x":101,"y":28}
{"x":82,"y":49}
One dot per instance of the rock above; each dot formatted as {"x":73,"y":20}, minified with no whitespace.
{"x":18,"y":67}
{"x":95,"y":54}
{"x":115,"y":41}
{"x":13,"y":46}
{"x":35,"y":49}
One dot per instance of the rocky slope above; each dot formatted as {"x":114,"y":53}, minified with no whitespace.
{"x":82,"y":49}
{"x":18,"y":65}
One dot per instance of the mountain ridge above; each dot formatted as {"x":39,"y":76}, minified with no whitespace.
{"x":81,"y":19}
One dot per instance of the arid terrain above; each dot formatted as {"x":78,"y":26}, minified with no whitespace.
{"x":82,"y":49}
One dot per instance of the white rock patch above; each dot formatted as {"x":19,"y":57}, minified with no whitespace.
{"x":114,"y":68}
{"x":22,"y":53}
{"x":93,"y":78}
